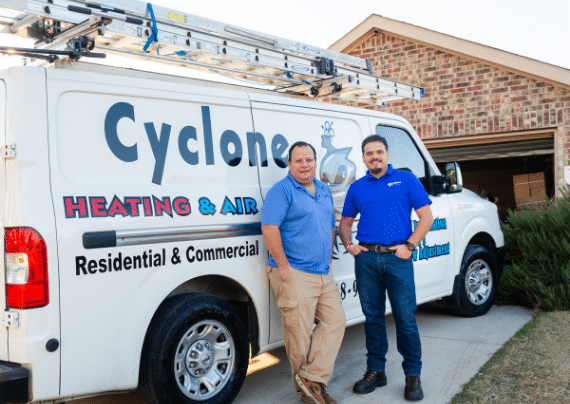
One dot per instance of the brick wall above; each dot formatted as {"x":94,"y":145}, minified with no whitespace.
{"x":467,"y":97}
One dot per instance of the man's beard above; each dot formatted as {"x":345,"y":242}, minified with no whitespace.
{"x":376,"y":170}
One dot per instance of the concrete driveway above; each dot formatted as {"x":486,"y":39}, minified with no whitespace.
{"x":454,"y":349}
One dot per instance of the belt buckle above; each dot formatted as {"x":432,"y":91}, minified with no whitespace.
{"x":382,"y":249}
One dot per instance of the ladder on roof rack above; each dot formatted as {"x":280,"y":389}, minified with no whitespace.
{"x":135,"y":28}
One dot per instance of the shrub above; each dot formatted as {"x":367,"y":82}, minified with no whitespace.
{"x":537,"y":244}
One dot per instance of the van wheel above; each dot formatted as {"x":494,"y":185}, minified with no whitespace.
{"x":196,"y":351}
{"x":477,"y":282}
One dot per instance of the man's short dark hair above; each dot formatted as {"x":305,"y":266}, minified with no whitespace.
{"x":374,"y":138}
{"x":301,"y":144}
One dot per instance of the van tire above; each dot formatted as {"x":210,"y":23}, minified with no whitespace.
{"x":211,"y":340}
{"x":478,"y":282}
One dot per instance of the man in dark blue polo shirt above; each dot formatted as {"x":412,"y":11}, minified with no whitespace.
{"x":298,"y":228}
{"x":384,"y":198}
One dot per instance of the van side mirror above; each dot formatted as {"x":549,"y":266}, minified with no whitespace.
{"x":438,"y":185}
{"x":453,"y":178}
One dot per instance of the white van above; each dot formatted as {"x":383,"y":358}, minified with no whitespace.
{"x":130,"y":205}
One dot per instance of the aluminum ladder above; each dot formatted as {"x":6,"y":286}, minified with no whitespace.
{"x":139,"y":29}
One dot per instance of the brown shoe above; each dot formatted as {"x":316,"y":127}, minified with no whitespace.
{"x":313,"y":390}
{"x":328,"y":399}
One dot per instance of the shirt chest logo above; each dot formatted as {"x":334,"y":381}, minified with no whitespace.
{"x":391,"y":184}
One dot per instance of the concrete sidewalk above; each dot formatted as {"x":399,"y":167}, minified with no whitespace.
{"x":454,"y":349}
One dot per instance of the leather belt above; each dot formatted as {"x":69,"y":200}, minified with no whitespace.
{"x":377,"y":248}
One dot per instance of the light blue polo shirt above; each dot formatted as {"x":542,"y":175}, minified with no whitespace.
{"x":305,"y":222}
{"x":385,"y":206}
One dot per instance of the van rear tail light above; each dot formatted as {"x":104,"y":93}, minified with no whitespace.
{"x":26,"y":269}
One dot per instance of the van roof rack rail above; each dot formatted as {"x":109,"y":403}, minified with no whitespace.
{"x":139,"y":29}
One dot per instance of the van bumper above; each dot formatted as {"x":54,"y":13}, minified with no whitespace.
{"x":14,"y":383}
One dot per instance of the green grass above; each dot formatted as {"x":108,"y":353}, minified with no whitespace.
{"x":532,"y":367}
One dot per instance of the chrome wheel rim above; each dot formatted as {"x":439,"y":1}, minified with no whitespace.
{"x":478,"y":282}
{"x":205,"y":359}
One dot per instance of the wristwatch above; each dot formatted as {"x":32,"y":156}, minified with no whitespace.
{"x":411,"y":246}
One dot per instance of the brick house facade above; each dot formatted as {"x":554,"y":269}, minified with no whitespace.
{"x":474,"y":95}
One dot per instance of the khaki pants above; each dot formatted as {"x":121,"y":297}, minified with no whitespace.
{"x":306,"y":299}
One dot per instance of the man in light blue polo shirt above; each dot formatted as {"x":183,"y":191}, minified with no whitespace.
{"x":298,"y":228}
{"x":384,"y":198}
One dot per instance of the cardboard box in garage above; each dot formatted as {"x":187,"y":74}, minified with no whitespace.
{"x":530,"y":189}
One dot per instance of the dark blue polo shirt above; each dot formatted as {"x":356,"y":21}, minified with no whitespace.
{"x":385,"y":206}
{"x":305,"y":222}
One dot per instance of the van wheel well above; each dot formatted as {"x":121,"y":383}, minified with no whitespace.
{"x":484,"y":240}
{"x":234,"y":293}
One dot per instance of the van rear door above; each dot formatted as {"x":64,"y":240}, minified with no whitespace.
{"x":3,"y":328}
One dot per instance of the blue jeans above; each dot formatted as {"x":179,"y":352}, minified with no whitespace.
{"x":376,"y":274}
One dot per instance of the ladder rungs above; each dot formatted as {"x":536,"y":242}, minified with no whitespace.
{"x":249,"y":75}
{"x":166,"y":16}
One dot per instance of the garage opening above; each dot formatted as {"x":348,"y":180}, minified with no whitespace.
{"x":494,"y":178}
{"x":492,"y":164}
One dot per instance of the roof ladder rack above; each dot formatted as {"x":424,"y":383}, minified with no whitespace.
{"x":135,"y":28}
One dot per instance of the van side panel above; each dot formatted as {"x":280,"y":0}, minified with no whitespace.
{"x":28,"y":204}
{"x":151,"y":159}
{"x":336,"y":137}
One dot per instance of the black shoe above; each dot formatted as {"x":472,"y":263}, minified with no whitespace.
{"x":413,"y":391}
{"x":369,"y":382}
